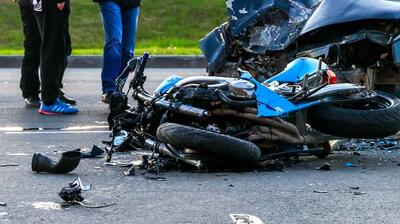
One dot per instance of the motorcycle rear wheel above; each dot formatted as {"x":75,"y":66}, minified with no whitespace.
{"x":378,"y":118}
{"x":224,"y":147}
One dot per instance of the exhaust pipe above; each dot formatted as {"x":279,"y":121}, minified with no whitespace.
{"x":162,"y":148}
{"x":68,"y":162}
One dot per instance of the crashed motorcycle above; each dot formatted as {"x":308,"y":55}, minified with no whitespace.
{"x":358,"y":39}
{"x":239,"y":121}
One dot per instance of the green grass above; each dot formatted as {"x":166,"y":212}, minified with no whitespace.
{"x":166,"y":26}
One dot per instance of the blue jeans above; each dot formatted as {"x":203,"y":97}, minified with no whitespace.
{"x":120,"y":26}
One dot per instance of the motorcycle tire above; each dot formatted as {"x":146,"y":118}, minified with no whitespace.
{"x":224,"y":147}
{"x":380,"y":118}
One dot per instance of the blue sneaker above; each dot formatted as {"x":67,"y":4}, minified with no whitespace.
{"x":58,"y":107}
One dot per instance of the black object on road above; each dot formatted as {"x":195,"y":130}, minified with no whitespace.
{"x":325,"y":167}
{"x":96,"y":151}
{"x":8,"y":165}
{"x":68,"y":162}
{"x":73,"y":194}
{"x":3,"y":204}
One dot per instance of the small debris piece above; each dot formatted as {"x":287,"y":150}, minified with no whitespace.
{"x":359,"y":193}
{"x":158,"y":178}
{"x":356,"y":153}
{"x":354,"y":187}
{"x":96,"y":151}
{"x":325,"y":167}
{"x":320,"y":192}
{"x":130,"y":172}
{"x":8,"y":165}
{"x":350,"y":164}
{"x":231,"y":185}
{"x":119,"y":164}
{"x":3,"y":204}
{"x":245,"y":218}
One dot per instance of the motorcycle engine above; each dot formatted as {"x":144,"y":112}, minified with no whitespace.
{"x":242,"y":89}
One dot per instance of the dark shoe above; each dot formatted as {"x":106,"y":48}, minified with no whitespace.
{"x":67,"y":100}
{"x":106,"y":98}
{"x":32,"y":102}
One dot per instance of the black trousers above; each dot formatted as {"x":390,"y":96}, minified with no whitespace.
{"x":29,"y":82}
{"x":55,"y":46}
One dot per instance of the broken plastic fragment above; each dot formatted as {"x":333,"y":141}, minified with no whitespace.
{"x":131,"y":171}
{"x":325,"y":167}
{"x":320,"y":192}
{"x":245,"y":219}
{"x":73,"y":193}
{"x":96,"y":151}
{"x":120,"y":138}
{"x":350,"y":164}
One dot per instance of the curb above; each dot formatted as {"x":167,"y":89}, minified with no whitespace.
{"x":157,"y":61}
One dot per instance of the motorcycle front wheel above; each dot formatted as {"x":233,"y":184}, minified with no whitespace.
{"x":223,"y":147}
{"x":379,"y":117}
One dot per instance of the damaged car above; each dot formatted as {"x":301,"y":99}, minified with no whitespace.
{"x":358,"y":39}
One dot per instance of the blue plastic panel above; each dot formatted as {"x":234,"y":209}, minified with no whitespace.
{"x":296,"y":70}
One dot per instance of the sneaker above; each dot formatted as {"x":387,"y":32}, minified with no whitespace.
{"x":58,"y":107}
{"x":32,"y":102}
{"x":67,"y":100}
{"x":106,"y":98}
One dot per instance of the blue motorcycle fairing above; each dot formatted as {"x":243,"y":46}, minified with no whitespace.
{"x":271,"y":104}
{"x":167,"y":84}
{"x":296,"y":70}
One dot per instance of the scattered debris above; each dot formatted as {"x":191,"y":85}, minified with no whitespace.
{"x":326,"y":167}
{"x":8,"y":165}
{"x":245,"y":219}
{"x":120,"y":138}
{"x":354,"y":187}
{"x":387,"y":144}
{"x":74,"y":190}
{"x":356,"y":153}
{"x":73,"y":194}
{"x":96,"y":151}
{"x":359,"y":193}
{"x":158,"y":178}
{"x":231,"y":185}
{"x":320,"y":192}
{"x":3,"y":204}
{"x":348,"y":164}
{"x":131,"y":171}
{"x":119,"y":163}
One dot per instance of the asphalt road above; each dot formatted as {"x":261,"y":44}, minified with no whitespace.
{"x":299,"y":194}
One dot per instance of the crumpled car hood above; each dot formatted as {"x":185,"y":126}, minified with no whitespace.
{"x":303,"y":16}
{"x":243,"y":13}
{"x":331,"y":12}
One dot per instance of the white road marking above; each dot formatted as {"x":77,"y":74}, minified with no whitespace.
{"x":88,"y":129}
{"x":53,"y":132}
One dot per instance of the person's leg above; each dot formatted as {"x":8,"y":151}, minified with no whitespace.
{"x":67,"y":40}
{"x":68,"y":50}
{"x":112,"y":22}
{"x":130,"y":19}
{"x":49,"y":20}
{"x":29,"y":82}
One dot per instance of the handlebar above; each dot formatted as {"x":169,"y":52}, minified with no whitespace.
{"x":143,"y":63}
{"x":139,"y":78}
